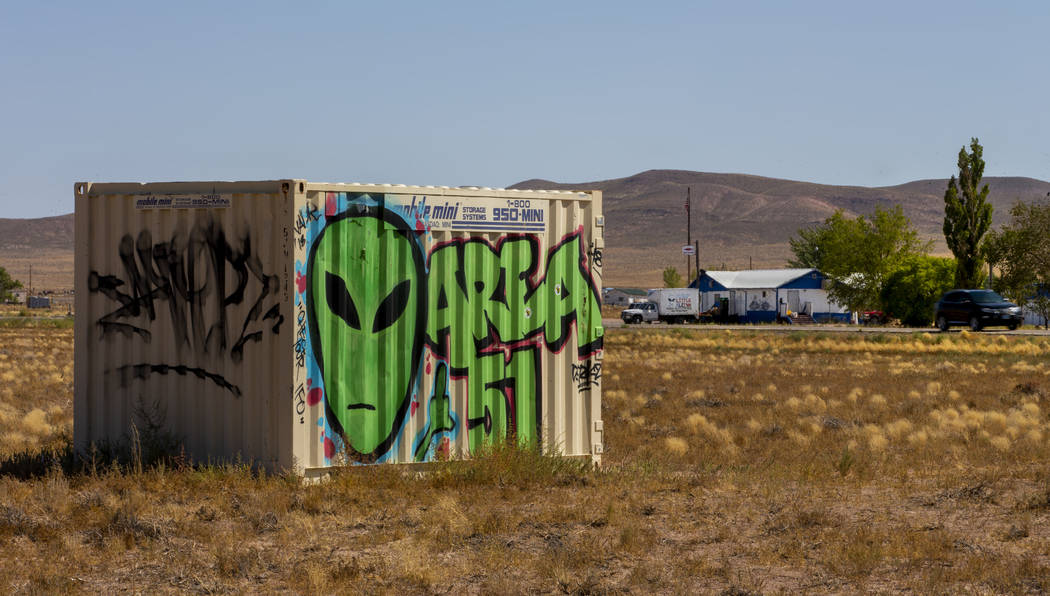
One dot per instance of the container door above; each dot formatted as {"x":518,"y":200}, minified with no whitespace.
{"x":793,"y":300}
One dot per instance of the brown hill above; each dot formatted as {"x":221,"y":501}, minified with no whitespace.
{"x":741,"y":219}
{"x":45,"y":244}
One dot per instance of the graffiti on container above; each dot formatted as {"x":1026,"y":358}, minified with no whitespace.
{"x":300,"y":336}
{"x":383,"y":316}
{"x":190,"y":276}
{"x":586,"y":375}
{"x":303,"y":219}
{"x":366,"y":299}
{"x":490,"y":318}
{"x":441,"y":420}
{"x":300,"y":402}
{"x":596,"y":258}
{"x":141,"y":371}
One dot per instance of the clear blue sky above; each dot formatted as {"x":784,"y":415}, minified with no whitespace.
{"x":491,"y":93}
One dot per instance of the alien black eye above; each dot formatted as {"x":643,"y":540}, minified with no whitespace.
{"x":339,"y":300}
{"x":392,"y":307}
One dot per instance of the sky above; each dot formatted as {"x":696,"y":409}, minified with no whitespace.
{"x":493,"y":93}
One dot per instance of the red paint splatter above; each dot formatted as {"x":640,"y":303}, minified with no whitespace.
{"x":428,"y":368}
{"x":300,"y":282}
{"x":309,"y":382}
{"x":329,"y":448}
{"x":329,"y":204}
{"x":415,"y":406}
{"x":314,"y":396}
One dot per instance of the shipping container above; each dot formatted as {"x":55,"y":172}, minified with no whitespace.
{"x":300,"y":325}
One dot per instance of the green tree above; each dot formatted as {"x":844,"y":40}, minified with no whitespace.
{"x":1041,"y":305}
{"x":825,"y":246}
{"x":858,"y":254}
{"x":7,"y":283}
{"x":1021,"y":254}
{"x":967,"y":216}
{"x":672,"y":279}
{"x":911,"y":292}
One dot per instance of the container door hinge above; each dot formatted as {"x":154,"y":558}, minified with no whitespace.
{"x":598,"y":447}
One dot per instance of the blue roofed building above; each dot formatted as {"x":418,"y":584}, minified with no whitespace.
{"x":763,"y":295}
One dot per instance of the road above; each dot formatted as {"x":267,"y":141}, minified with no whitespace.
{"x":618,"y":324}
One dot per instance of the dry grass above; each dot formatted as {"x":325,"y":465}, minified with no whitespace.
{"x":60,"y":306}
{"x":736,"y":462}
{"x":36,"y":388}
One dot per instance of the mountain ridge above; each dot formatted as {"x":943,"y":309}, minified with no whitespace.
{"x":741,"y":220}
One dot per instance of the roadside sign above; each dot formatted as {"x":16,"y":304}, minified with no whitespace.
{"x":688,"y":250}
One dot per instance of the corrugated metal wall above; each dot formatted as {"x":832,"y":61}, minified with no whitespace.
{"x":180,"y":312}
{"x":313,"y":325}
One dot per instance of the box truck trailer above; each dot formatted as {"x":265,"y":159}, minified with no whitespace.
{"x":670,"y":305}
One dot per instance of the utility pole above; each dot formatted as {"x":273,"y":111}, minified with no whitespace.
{"x":696,"y":243}
{"x":688,"y":231}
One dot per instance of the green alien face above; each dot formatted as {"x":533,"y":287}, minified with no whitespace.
{"x":365,"y":301}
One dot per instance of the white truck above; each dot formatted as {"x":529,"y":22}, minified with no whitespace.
{"x":670,"y":305}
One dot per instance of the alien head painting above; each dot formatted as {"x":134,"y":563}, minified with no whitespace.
{"x":366,"y":300}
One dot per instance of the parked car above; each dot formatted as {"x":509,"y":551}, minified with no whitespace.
{"x":874,"y":317}
{"x":640,"y":311}
{"x":976,"y":308}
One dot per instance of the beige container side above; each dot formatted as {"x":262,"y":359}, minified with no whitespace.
{"x":183,"y":316}
{"x":573,"y":424}
{"x":510,"y":340}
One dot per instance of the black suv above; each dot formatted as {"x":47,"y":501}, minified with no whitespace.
{"x":976,"y":308}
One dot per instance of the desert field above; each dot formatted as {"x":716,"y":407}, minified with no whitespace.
{"x":736,"y":462}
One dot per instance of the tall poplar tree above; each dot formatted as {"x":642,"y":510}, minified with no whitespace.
{"x":967,"y":216}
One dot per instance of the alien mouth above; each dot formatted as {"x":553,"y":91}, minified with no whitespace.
{"x":360,"y":407}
